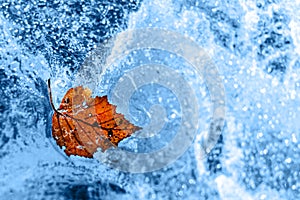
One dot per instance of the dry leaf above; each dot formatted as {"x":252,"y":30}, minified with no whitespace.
{"x":82,"y":124}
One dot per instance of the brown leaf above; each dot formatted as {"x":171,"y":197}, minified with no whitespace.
{"x":82,"y":124}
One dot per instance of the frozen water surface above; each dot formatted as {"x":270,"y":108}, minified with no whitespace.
{"x":255,"y":46}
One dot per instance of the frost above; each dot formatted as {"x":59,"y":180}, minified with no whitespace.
{"x":254,"y":44}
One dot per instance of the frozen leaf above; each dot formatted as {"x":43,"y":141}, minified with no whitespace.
{"x":83,"y":124}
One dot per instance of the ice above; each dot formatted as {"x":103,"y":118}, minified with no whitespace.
{"x":255,"y":46}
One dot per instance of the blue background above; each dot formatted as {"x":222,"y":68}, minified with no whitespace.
{"x":254,"y":44}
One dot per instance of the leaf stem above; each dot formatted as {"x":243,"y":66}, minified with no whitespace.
{"x":50,"y":96}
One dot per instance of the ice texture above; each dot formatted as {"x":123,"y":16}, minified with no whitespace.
{"x":255,"y":46}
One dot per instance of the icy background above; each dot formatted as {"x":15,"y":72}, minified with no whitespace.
{"x":254,"y":44}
